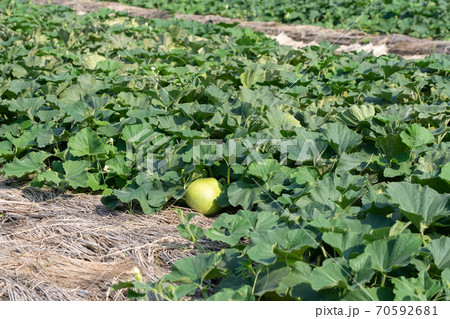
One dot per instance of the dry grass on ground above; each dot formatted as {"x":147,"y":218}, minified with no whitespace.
{"x":70,"y":247}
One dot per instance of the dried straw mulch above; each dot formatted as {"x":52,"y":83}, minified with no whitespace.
{"x":57,"y":246}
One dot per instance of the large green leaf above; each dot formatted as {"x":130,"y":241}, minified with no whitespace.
{"x":292,"y":243}
{"x":86,"y":142}
{"x":332,"y":274}
{"x":341,"y":138}
{"x":445,"y":275}
{"x":30,"y":106}
{"x":347,"y":162}
{"x":242,"y":294}
{"x":5,"y":148}
{"x":278,"y":119}
{"x":193,"y":270}
{"x":362,"y":266}
{"x":399,"y":166}
{"x":252,"y":75}
{"x":335,"y":191}
{"x":80,"y":111}
{"x":445,"y":172}
{"x":421,"y":205}
{"x":307,"y":146}
{"x":422,"y":288}
{"x":229,"y":229}
{"x":90,"y":61}
{"x":299,"y":282}
{"x":304,"y":174}
{"x":355,"y":114}
{"x":244,"y":194}
{"x":47,"y":177}
{"x":440,"y":249}
{"x":345,"y":244}
{"x":151,"y":194}
{"x":40,"y":135}
{"x":140,"y":194}
{"x":216,"y":94}
{"x":262,"y":253}
{"x":264,"y":220}
{"x":76,"y":173}
{"x":370,"y":294}
{"x":264,"y":170}
{"x":119,"y":166}
{"x":391,"y":145}
{"x":270,"y":278}
{"x":390,"y":253}
{"x":29,"y":164}
{"x":415,"y":136}
{"x":138,"y":133}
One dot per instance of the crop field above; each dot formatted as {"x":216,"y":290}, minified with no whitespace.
{"x":333,"y":169}
{"x":420,"y":18}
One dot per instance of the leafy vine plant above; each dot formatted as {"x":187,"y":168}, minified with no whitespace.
{"x":354,"y":207}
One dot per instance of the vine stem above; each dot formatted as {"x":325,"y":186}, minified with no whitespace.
{"x":210,"y":171}
{"x":383,"y":279}
{"x":324,"y":252}
{"x":256,"y":279}
{"x":196,"y":243}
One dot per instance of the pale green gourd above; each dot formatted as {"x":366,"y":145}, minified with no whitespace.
{"x":201,"y":195}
